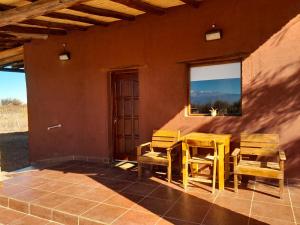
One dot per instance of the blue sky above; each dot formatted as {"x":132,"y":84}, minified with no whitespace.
{"x":228,"y":86}
{"x":13,"y":85}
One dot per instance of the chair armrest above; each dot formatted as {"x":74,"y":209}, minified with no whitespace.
{"x":236,"y":152}
{"x":139,"y":148}
{"x":282,"y":156}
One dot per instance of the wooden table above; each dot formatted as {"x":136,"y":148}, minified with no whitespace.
{"x":223,"y":143}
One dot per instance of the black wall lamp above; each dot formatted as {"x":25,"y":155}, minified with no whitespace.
{"x":213,"y":33}
{"x":65,"y":55}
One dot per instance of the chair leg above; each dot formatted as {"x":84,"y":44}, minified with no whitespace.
{"x":236,"y":182}
{"x":169,"y":172}
{"x":214,"y":176}
{"x":281,"y":186}
{"x":140,"y":171}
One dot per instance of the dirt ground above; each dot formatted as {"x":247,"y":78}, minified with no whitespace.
{"x":13,"y":138}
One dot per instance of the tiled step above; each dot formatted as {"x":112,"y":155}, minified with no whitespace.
{"x":12,"y":217}
{"x":20,"y":212}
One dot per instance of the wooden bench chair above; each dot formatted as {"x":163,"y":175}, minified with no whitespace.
{"x":262,"y":147}
{"x":196,"y":158}
{"x":158,"y":150}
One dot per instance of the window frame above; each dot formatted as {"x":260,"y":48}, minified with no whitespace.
{"x":211,"y":63}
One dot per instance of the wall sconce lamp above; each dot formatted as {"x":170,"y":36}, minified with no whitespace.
{"x":213,"y":33}
{"x":65,"y":55}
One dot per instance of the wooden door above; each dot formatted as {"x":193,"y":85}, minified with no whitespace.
{"x":125,"y":89}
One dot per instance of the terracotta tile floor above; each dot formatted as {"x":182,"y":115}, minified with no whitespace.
{"x":82,"y":193}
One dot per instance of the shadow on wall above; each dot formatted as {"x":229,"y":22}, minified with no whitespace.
{"x":271,"y":96}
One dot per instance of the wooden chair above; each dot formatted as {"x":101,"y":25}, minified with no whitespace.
{"x":261,"y":147}
{"x":159,"y":150}
{"x":195,"y":159}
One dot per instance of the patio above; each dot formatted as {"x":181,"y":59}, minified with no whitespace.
{"x":77,"y":192}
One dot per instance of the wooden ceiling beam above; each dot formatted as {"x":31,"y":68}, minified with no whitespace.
{"x":56,"y":25}
{"x":37,"y":8}
{"x":193,"y":3}
{"x":27,"y":36}
{"x":65,"y":16}
{"x":101,"y":12}
{"x":12,"y":59}
{"x":11,"y":52}
{"x":12,"y":39}
{"x":32,"y":30}
{"x":142,"y":6}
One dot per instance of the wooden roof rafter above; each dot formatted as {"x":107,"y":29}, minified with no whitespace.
{"x":32,"y":30}
{"x":59,"y":15}
{"x":193,"y":3}
{"x":34,"y":9}
{"x":102,"y":12}
{"x":142,"y":6}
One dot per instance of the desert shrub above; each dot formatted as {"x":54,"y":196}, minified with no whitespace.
{"x":11,"y":101}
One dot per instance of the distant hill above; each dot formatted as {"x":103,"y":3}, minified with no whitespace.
{"x":200,"y":97}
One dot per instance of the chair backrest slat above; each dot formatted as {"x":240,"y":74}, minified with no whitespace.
{"x":259,"y":144}
{"x":164,"y":138}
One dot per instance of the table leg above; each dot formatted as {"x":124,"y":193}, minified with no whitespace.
{"x":227,"y":159}
{"x":221,"y":149}
{"x":194,"y":166}
{"x":184,"y":166}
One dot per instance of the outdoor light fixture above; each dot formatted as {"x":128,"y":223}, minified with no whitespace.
{"x":65,"y":55}
{"x":213,"y":33}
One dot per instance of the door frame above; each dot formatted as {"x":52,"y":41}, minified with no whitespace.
{"x":110,"y":125}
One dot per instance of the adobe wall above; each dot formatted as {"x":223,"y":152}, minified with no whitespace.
{"x":75,"y":93}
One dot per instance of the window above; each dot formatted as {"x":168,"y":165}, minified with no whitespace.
{"x":215,"y":87}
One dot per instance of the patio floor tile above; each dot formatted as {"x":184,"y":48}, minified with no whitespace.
{"x":53,"y":186}
{"x":104,"y":213}
{"x":297,"y":214}
{"x":187,"y":212}
{"x":137,"y":218}
{"x":139,"y":189}
{"x":272,"y":211}
{"x":266,"y":197}
{"x":51,"y":200}
{"x":65,"y":218}
{"x":11,"y":189}
{"x":258,"y":220}
{"x":97,"y":194}
{"x":40,"y":211}
{"x":30,"y":220}
{"x":159,"y":207}
{"x":124,"y":200}
{"x":8,"y":216}
{"x":168,"y":221}
{"x":243,"y":193}
{"x":240,"y":206}
{"x":76,"y":206}
{"x":166,"y":193}
{"x":116,"y":184}
{"x":74,"y":190}
{"x":222,"y":216}
{"x":30,"y":195}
